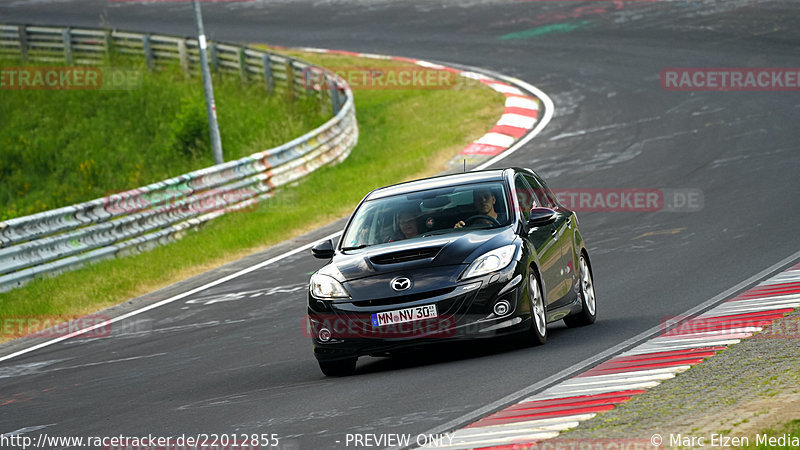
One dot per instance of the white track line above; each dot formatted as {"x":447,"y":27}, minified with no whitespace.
{"x":761,"y":301}
{"x":618,"y":378}
{"x":716,"y":334}
{"x":765,"y":300}
{"x":689,"y":340}
{"x":490,"y":442}
{"x":734,"y":309}
{"x":659,"y":371}
{"x":561,"y":391}
{"x":534,"y":423}
{"x":786,"y":277}
{"x":504,"y":429}
{"x":646,"y":348}
{"x":553,"y":393}
{"x":169,"y":300}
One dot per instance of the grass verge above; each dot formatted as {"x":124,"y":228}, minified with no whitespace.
{"x":61,"y":147}
{"x":404,"y":134}
{"x":786,"y":435}
{"x":747,"y":390}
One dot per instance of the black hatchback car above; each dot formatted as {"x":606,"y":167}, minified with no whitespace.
{"x":470,"y":255}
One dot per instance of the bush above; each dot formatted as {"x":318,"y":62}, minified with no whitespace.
{"x":189,"y":134}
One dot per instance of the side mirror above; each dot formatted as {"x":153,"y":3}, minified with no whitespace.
{"x":323,"y":249}
{"x":541,"y":216}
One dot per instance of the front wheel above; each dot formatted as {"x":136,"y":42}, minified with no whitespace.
{"x":341,"y":368}
{"x":588,"y":312}
{"x":537,"y":335}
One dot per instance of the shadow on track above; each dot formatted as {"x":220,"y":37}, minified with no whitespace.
{"x":450,"y":352}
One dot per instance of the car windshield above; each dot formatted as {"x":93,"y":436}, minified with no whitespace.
{"x":417,"y":215}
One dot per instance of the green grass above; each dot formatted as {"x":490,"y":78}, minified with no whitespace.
{"x":404,"y":134}
{"x":789,"y":428}
{"x":60,"y":147}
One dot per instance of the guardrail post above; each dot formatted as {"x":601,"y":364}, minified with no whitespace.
{"x":242,"y":65}
{"x":148,"y":51}
{"x":307,"y":82}
{"x":184,"y":58}
{"x":108,"y":43}
{"x":66,"y":37}
{"x":212,"y":52}
{"x":289,"y":78}
{"x":23,"y":42}
{"x":325,"y":101}
{"x":268,"y":79}
{"x":334,"y":90}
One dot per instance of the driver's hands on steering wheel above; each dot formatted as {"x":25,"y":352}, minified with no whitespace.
{"x":478,"y":217}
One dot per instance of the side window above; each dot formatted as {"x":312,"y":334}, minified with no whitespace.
{"x":525,"y":196}
{"x":541,"y":193}
{"x":550,"y":195}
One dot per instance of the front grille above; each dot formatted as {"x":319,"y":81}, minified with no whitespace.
{"x":447,"y":309}
{"x":406,"y":255}
{"x":403,"y":298}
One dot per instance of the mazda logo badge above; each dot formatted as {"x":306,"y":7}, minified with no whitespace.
{"x":401,"y":283}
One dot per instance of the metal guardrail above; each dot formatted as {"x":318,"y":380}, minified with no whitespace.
{"x":94,"y":46}
{"x":134,"y":221}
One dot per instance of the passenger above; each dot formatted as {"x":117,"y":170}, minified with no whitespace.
{"x":407,"y":222}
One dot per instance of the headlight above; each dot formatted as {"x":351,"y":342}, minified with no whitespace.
{"x":324,"y":286}
{"x":491,"y":261}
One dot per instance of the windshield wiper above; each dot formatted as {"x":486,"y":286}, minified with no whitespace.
{"x":358,"y":247}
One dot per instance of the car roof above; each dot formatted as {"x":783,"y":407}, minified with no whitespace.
{"x":437,"y":182}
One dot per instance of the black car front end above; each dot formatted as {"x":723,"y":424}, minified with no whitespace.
{"x":469,"y":255}
{"x":376,"y":318}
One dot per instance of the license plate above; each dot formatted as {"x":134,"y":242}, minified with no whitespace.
{"x":404,"y":315}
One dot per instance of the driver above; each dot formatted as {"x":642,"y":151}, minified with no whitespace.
{"x":483,"y":200}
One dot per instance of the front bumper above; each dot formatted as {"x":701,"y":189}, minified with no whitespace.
{"x":465,"y":311}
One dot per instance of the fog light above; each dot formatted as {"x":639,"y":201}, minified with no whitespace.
{"x":502,"y":307}
{"x":325,"y":335}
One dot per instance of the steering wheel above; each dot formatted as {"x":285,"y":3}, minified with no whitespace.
{"x":478,"y":217}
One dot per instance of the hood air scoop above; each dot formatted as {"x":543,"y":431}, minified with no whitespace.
{"x":405,"y":255}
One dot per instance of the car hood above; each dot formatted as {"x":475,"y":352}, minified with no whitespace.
{"x":453,"y":249}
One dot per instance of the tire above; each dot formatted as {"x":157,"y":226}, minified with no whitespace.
{"x":537,"y":334}
{"x":588,"y":312}
{"x":340,"y":368}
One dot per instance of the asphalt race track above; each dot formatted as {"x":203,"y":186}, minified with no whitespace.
{"x":234,"y":359}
